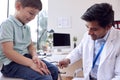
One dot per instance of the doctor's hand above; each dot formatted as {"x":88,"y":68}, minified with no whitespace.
{"x":64,"y":63}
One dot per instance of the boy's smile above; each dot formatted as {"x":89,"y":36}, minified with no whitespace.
{"x":25,"y":14}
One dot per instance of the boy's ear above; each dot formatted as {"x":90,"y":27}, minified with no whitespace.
{"x":18,"y":5}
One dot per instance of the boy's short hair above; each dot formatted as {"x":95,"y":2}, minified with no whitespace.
{"x":31,"y":3}
{"x":102,"y":13}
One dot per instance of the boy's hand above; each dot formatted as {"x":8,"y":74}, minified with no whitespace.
{"x":36,"y":60}
{"x":39,"y":66}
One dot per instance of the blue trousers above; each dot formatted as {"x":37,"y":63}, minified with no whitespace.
{"x":15,"y":70}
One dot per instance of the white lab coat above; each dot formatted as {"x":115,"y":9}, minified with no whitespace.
{"x":109,"y":67}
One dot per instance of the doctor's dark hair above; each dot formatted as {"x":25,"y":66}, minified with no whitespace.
{"x":37,"y":4}
{"x":102,"y":13}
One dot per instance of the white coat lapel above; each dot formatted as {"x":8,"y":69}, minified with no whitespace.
{"x":106,"y":51}
{"x":91,"y":53}
{"x":88,"y":57}
{"x":107,"y":48}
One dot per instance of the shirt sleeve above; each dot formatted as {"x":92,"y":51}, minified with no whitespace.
{"x":77,"y":53}
{"x":6,"y":31}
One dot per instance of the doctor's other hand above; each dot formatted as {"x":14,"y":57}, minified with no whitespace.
{"x":64,"y":63}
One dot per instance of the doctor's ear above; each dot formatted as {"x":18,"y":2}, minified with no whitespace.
{"x":108,"y":26}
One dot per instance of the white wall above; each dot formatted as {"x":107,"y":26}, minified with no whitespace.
{"x":74,"y":9}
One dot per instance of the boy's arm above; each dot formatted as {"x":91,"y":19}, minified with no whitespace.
{"x":32,"y":49}
{"x":10,"y":53}
{"x":36,"y":60}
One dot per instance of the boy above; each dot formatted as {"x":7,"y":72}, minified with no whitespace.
{"x":17,"y":51}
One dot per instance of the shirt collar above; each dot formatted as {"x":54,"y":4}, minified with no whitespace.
{"x":16,"y":21}
{"x":104,"y":38}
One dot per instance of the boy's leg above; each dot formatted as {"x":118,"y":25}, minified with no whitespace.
{"x":53,"y":69}
{"x":18,"y":71}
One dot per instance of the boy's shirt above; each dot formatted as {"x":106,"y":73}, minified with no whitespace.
{"x":13,"y":30}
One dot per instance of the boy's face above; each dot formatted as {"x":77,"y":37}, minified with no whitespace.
{"x":25,"y":14}
{"x":95,"y":31}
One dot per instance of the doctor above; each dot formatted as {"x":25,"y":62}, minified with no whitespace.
{"x":100,"y":46}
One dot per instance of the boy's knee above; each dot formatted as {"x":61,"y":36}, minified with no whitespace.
{"x":56,"y":70}
{"x":45,"y":77}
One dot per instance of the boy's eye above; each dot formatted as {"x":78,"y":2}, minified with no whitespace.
{"x":94,"y":29}
{"x":31,"y":13}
